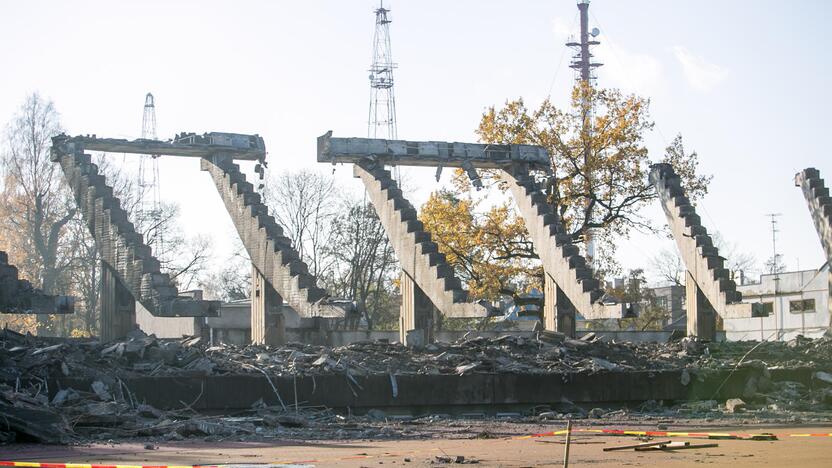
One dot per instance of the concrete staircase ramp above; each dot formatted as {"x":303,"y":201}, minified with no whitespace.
{"x":820,"y":205}
{"x":561,"y":259}
{"x":701,"y":257}
{"x":18,"y":296}
{"x":418,"y":255}
{"x":121,"y":247}
{"x":270,"y":251}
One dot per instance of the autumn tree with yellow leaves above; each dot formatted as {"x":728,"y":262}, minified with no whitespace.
{"x":597,"y":183}
{"x":489,"y":249}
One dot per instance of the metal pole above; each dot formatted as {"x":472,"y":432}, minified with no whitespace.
{"x":568,"y":441}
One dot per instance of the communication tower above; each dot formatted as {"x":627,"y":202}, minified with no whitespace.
{"x":149,"y":203}
{"x":382,"y":119}
{"x":585,"y":67}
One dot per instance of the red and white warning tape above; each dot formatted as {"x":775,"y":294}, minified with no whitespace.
{"x":708,"y":435}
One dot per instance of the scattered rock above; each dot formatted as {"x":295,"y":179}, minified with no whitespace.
{"x":596,"y":413}
{"x":734,"y":405}
{"x":702,"y":406}
{"x":100,"y":389}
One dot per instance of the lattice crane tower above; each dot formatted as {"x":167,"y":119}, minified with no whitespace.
{"x":382,"y":119}
{"x":149,"y":204}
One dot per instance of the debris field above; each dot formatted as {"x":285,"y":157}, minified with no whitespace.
{"x":107,"y":409}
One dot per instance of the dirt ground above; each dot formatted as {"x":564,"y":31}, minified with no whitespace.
{"x":509,"y":451}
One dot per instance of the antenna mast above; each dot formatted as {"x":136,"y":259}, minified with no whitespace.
{"x":584,"y":66}
{"x":774,"y":259}
{"x":149,"y":203}
{"x":382,"y":119}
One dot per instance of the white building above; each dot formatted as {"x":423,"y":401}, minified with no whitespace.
{"x":793,"y":303}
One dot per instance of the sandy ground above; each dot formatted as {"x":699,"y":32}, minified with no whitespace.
{"x":504,"y":451}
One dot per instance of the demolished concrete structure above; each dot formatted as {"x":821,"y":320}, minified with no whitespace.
{"x":75,"y":390}
{"x":278,"y":273}
{"x":427,"y":279}
{"x":18,"y":296}
{"x":129,"y":270}
{"x":570,"y":285}
{"x":711,"y":293}
{"x":820,"y":206}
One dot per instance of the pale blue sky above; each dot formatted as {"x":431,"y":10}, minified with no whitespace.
{"x":743,"y":81}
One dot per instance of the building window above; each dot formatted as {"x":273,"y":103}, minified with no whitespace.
{"x":762,"y":309}
{"x":803,"y":306}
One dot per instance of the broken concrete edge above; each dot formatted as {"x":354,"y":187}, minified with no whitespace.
{"x":229,"y":143}
{"x":228,"y":392}
{"x":428,"y":153}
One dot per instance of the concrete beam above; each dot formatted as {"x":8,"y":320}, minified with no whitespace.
{"x":421,"y":394}
{"x":122,"y":249}
{"x":238,"y":146}
{"x":418,"y":255}
{"x":18,"y":296}
{"x":702,"y":260}
{"x":562,"y":261}
{"x":428,"y":153}
{"x":270,"y":251}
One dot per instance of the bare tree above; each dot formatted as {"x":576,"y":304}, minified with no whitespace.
{"x":304,"y":203}
{"x":365,"y":264}
{"x":738,"y":262}
{"x":36,"y":205}
{"x":775,"y":265}
{"x":232,"y":281}
{"x":668,"y":266}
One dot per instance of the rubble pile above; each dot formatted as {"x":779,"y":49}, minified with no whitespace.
{"x":107,"y":409}
{"x":548,"y":352}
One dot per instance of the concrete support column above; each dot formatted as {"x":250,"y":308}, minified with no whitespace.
{"x":700,"y":313}
{"x":118,"y":308}
{"x":550,"y":303}
{"x":558,"y":311}
{"x":267,"y":322}
{"x":416,"y":314}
